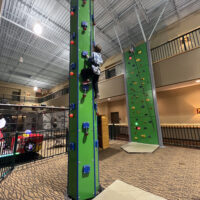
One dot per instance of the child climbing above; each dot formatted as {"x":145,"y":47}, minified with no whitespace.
{"x":94,"y":68}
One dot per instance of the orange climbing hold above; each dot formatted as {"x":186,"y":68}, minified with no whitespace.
{"x":143,"y":136}
{"x":147,"y":100}
{"x":72,"y":13}
{"x":138,"y":60}
{"x":71,"y":73}
{"x":133,"y":108}
{"x":72,"y":42}
{"x":135,"y":83}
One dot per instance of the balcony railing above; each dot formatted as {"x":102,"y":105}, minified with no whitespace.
{"x":10,"y":98}
{"x":179,"y":45}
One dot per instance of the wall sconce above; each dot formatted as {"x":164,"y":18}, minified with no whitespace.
{"x":198,"y":111}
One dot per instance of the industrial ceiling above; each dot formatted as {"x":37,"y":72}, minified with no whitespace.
{"x":43,"y":61}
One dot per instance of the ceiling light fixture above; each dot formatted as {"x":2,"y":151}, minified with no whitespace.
{"x":198,"y":81}
{"x":35,"y":89}
{"x":37,"y":29}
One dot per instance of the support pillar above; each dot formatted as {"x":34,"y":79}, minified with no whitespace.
{"x":83,"y":168}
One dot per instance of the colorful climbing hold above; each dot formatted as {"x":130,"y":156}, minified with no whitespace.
{"x":136,"y":138}
{"x":147,"y":100}
{"x":138,"y":60}
{"x":138,"y":128}
{"x":140,"y":52}
{"x":72,"y":13}
{"x":130,"y":58}
{"x":133,"y":108}
{"x":71,"y":73}
{"x":72,"y":42}
{"x":71,"y":115}
{"x":143,"y":136}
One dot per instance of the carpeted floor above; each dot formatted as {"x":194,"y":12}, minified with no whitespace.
{"x":171,"y":172}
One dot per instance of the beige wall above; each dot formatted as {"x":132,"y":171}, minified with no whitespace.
{"x":112,"y":87}
{"x":114,"y":106}
{"x":179,"y":105}
{"x":183,"y":67}
{"x":176,"y":29}
{"x":8,"y":88}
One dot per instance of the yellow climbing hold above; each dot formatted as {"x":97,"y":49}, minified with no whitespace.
{"x":142,"y":79}
{"x":140,"y":52}
{"x":147,"y":99}
{"x":138,"y":60}
{"x":136,"y":138}
{"x":133,"y":107}
{"x":143,"y":136}
{"x":135,"y":83}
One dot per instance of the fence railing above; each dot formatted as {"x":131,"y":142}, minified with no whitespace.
{"x":10,"y":98}
{"x":177,"y":46}
{"x":181,"y":135}
{"x":31,"y":133}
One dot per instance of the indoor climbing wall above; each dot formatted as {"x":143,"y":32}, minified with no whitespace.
{"x":142,"y":117}
{"x":83,"y":168}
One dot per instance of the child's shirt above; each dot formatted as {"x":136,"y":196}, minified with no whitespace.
{"x":97,"y":59}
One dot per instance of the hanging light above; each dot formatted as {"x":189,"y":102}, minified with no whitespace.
{"x":35,"y":89}
{"x":37,"y":29}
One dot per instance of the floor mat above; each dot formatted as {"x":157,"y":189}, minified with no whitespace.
{"x":123,"y":191}
{"x":135,"y":147}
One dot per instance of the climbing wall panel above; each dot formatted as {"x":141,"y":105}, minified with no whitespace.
{"x":83,"y":181}
{"x":142,"y":116}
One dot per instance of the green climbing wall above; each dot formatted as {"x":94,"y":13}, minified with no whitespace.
{"x":142,"y":117}
{"x":83,"y":169}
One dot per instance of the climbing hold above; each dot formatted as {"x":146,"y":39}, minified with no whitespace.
{"x":130,"y":58}
{"x":136,"y":138}
{"x":72,"y":42}
{"x":142,"y":106}
{"x":72,"y":106}
{"x":140,"y":52}
{"x":84,"y":2}
{"x":71,"y":115}
{"x":84,"y":25}
{"x":84,"y":54}
{"x":143,"y":136}
{"x":71,"y":73}
{"x":86,"y":169}
{"x":73,"y":9}
{"x":147,"y":100}
{"x":73,"y":66}
{"x":132,"y":72}
{"x":86,"y":126}
{"x":142,"y":79}
{"x":136,"y":123}
{"x":133,"y":108}
{"x":135,"y":83}
{"x":138,"y":60}
{"x":145,"y":128}
{"x":72,"y":146}
{"x":73,"y":35}
{"x":96,"y":143}
{"x":138,"y":128}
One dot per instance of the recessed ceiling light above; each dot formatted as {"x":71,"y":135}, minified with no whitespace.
{"x":197,"y":81}
{"x":35,"y":89}
{"x":37,"y":29}
{"x":109,"y":99}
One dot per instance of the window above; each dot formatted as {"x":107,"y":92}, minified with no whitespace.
{"x":110,"y":73}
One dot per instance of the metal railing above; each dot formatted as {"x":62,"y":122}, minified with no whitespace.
{"x":10,"y":98}
{"x":118,"y":132}
{"x":179,"y":45}
{"x":181,"y":135}
{"x":47,"y":135}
